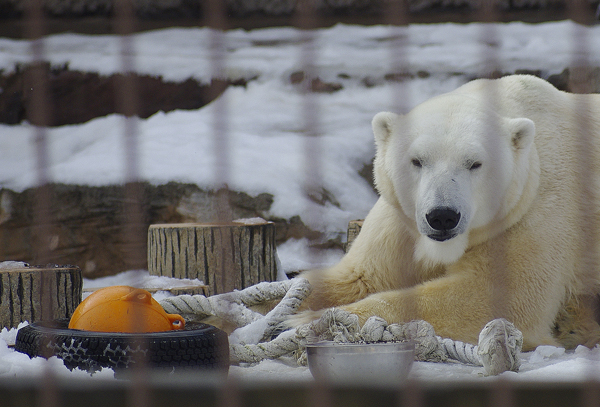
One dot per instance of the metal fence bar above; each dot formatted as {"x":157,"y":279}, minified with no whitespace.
{"x":39,"y":115}
{"x":127,"y":94}
{"x":217,"y":21}
{"x":411,"y":395}
{"x":320,"y":395}
{"x":488,"y":37}
{"x":396,"y":15}
{"x":579,"y":82}
{"x":501,"y":393}
{"x":229,"y":394}
{"x":306,"y":19}
{"x":133,"y":228}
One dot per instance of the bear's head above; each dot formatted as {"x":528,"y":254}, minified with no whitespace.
{"x":456,"y":170}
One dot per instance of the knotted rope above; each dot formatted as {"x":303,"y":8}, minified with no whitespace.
{"x":499,"y":342}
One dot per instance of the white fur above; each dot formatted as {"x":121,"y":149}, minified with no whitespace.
{"x":446,"y":146}
{"x":507,"y":155}
{"x":432,"y":253}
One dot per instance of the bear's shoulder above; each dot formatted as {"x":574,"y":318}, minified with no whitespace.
{"x":514,"y":85}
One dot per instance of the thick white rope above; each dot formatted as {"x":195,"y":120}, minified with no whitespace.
{"x":500,"y":343}
{"x":498,"y":350}
{"x":460,"y":351}
{"x":264,"y":328}
{"x":230,"y":307}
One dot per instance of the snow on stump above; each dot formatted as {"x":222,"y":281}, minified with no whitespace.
{"x":225,"y":257}
{"x":36,"y":293}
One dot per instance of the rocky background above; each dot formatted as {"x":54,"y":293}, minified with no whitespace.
{"x":195,"y":8}
{"x":89,"y":226}
{"x":95,"y":16}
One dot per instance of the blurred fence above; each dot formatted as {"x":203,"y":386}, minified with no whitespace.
{"x":200,"y":390}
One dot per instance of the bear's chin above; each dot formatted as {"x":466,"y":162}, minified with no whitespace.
{"x":433,"y":253}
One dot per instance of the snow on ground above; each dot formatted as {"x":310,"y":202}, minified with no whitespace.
{"x":545,"y":364}
{"x":265,"y":127}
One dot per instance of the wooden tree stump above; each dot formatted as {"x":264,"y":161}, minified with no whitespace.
{"x":38,"y":293}
{"x":225,"y":256}
{"x":354,"y":227}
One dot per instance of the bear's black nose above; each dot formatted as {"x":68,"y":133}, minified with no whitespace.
{"x":443,"y":219}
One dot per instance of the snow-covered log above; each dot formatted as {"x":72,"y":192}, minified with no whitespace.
{"x":227,"y":256}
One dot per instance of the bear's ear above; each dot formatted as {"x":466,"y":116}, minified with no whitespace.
{"x":522,"y":131}
{"x":383,"y":124}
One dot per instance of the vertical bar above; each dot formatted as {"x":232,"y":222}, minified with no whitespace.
{"x":411,"y":395}
{"x":128,"y":103}
{"x":320,"y":394}
{"x":590,"y":393}
{"x":397,"y":17}
{"x":501,"y":393}
{"x":133,"y":225}
{"x":580,"y":12}
{"x":488,"y":15}
{"x":230,"y":394}
{"x":216,"y":21}
{"x":306,"y":20}
{"x":39,"y":115}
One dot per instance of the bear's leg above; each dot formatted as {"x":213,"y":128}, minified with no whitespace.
{"x":338,"y":285}
{"x":577,"y":324}
{"x":458,"y":306}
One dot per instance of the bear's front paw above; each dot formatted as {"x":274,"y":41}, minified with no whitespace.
{"x":302,"y":318}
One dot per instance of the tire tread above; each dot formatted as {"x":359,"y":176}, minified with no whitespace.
{"x":198,"y":346}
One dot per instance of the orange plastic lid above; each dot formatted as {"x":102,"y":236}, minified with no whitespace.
{"x":123,"y":309}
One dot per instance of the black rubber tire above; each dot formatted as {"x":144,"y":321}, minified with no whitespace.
{"x":197,"y":346}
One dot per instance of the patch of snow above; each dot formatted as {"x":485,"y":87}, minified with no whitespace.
{"x":281,"y":371}
{"x":9,"y":336}
{"x":297,"y":255}
{"x":5,"y":265}
{"x":251,"y":221}
{"x":546,"y":352}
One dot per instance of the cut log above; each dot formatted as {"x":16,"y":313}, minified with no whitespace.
{"x":354,"y":227}
{"x":225,"y":257}
{"x":38,"y":293}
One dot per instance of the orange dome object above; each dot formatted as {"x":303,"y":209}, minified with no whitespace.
{"x":123,"y":309}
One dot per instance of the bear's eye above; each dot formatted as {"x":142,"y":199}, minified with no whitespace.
{"x":475,"y":165}
{"x":416,"y":162}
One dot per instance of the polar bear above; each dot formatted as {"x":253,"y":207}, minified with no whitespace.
{"x":489,"y":207}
